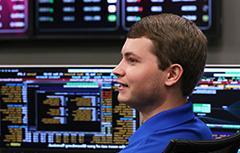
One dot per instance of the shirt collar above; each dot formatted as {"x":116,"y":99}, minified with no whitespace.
{"x":164,"y":120}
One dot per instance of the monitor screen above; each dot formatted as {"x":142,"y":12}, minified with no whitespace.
{"x":62,"y":108}
{"x":216,"y":99}
{"x":14,"y":18}
{"x":113,"y":18}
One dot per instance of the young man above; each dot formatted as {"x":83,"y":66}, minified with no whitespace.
{"x":162,"y":60}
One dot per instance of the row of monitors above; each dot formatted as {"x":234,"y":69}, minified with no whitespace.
{"x":63,"y":108}
{"x":96,"y":18}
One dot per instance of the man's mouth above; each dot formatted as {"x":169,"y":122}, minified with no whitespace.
{"x":120,"y":84}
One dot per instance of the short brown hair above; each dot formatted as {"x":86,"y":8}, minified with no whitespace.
{"x":177,"y":41}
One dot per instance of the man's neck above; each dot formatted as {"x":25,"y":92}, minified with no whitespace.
{"x":170,"y":103}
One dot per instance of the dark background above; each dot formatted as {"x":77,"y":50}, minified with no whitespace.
{"x":226,"y":51}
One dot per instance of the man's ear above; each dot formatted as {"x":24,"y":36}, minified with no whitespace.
{"x":174,"y":74}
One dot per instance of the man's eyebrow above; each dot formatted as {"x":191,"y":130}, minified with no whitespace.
{"x":127,"y":54}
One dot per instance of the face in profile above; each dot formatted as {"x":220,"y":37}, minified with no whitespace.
{"x":141,"y":82}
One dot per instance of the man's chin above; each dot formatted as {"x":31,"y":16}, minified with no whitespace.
{"x":126,"y":101}
{"x":122,"y":99}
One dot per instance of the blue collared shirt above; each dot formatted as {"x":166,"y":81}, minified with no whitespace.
{"x":155,"y":134}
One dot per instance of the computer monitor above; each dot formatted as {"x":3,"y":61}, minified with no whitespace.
{"x":216,"y":99}
{"x":62,"y":108}
{"x":14,"y":19}
{"x":113,"y":18}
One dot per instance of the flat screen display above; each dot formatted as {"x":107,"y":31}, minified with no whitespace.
{"x":216,"y":99}
{"x":62,"y":109}
{"x":14,"y":18}
{"x":113,"y":18}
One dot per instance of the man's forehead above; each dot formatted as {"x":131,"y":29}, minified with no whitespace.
{"x":137,"y":46}
{"x":142,"y":42}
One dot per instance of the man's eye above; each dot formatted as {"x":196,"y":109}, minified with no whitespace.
{"x":132,"y":60}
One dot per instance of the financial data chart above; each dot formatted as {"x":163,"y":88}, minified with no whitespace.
{"x":113,"y":17}
{"x":13,"y":16}
{"x":199,"y":12}
{"x":216,"y":99}
{"x":74,"y":15}
{"x":62,"y":108}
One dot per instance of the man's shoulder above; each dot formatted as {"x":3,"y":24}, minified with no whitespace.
{"x":190,"y":130}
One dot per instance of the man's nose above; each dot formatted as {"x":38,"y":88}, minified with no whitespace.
{"x":118,"y":70}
